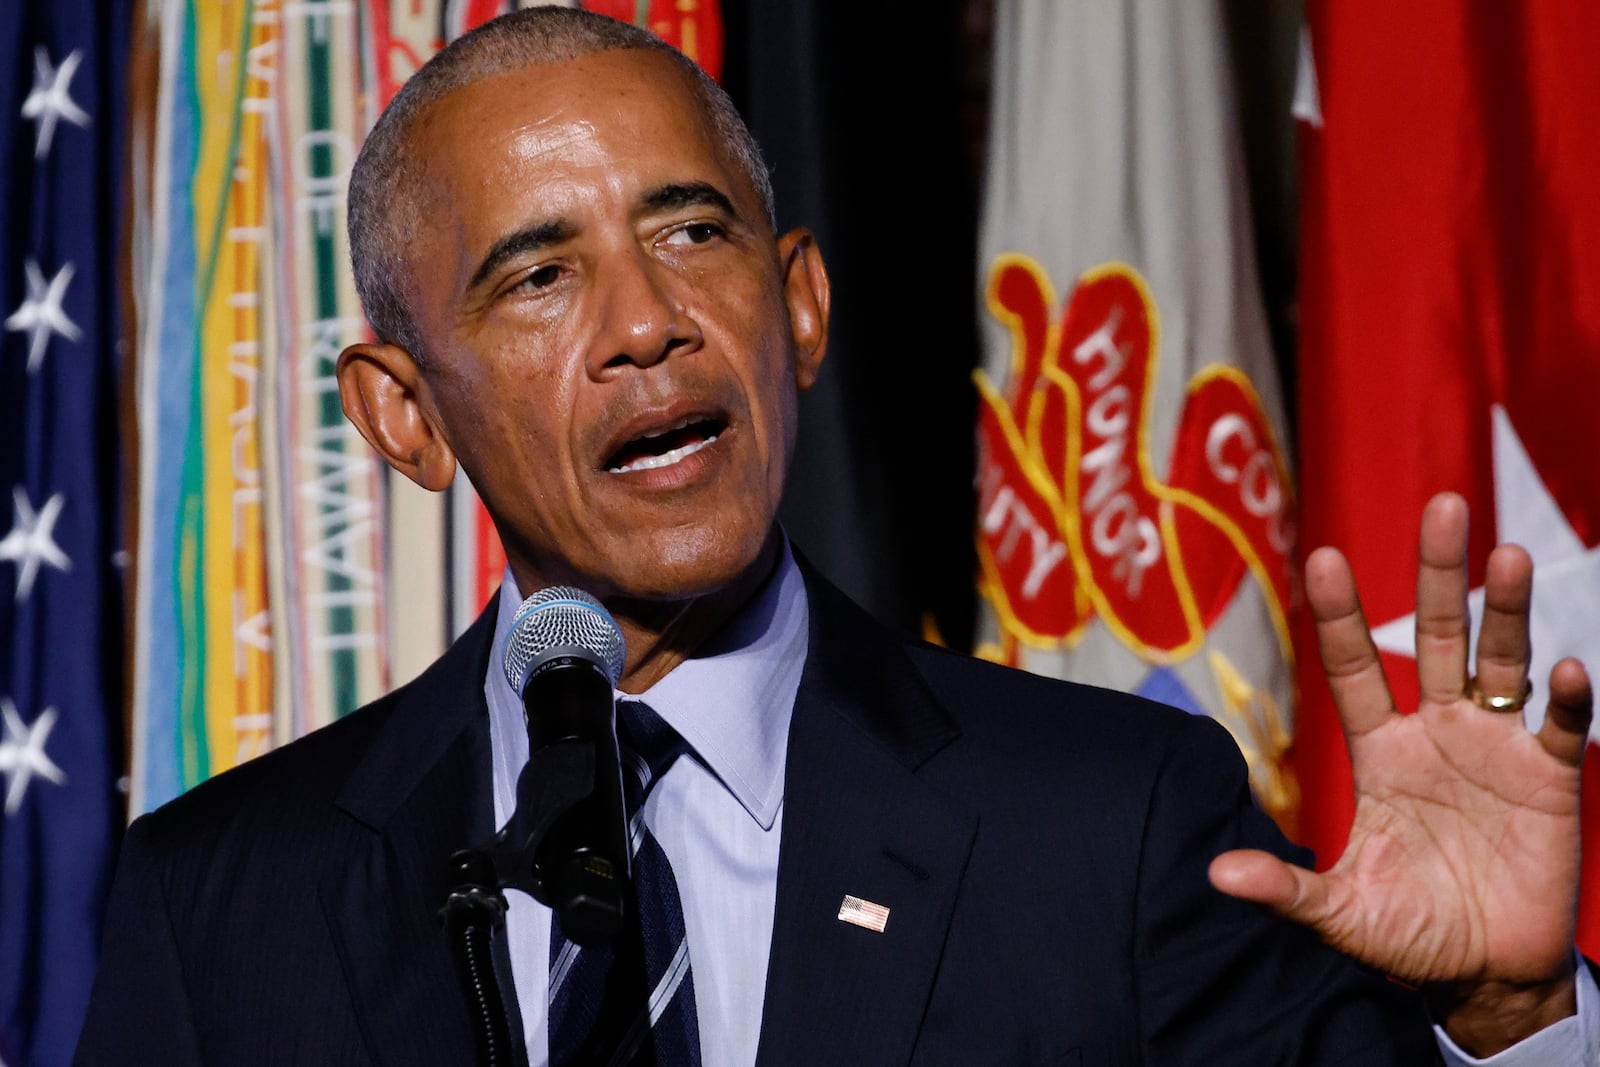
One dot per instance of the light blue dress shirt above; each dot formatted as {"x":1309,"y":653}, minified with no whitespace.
{"x":718,"y":817}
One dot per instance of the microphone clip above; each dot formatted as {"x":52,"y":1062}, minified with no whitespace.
{"x":556,"y":778}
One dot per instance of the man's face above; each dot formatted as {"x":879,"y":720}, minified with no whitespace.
{"x":613,"y":338}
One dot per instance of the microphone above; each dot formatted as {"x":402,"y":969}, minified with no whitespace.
{"x":564,"y":654}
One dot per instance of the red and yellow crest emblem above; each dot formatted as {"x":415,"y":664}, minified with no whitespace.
{"x":1075,"y":525}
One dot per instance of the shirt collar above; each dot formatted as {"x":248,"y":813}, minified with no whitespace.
{"x":731,"y":701}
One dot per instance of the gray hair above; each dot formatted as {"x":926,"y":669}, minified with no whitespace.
{"x":383,"y":209}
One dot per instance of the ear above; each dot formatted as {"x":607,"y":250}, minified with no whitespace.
{"x":385,"y":395}
{"x":806,"y":293}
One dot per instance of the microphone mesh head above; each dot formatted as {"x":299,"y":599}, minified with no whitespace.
{"x":562,"y":621}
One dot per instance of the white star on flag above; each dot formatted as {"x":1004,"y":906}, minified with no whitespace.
{"x":31,"y":540}
{"x":22,"y":753}
{"x":1566,"y":587}
{"x":51,"y":98}
{"x":40,"y":314}
{"x":1307,"y":106}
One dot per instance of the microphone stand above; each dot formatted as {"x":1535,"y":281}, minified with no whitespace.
{"x":556,"y":778}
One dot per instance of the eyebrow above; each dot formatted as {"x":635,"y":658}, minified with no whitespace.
{"x":530,"y":239}
{"x":687,"y":194}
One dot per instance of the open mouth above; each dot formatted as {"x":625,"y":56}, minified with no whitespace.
{"x":665,"y":446}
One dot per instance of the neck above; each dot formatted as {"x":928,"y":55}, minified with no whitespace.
{"x":662,"y":634}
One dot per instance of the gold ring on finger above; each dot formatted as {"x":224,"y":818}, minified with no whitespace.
{"x":1489,"y":703}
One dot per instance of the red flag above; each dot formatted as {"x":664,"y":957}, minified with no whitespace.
{"x":1450,"y":332}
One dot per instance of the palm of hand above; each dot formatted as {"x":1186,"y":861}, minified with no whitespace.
{"x":1463,"y":857}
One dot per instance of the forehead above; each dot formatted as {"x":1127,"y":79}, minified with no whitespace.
{"x":576,"y":127}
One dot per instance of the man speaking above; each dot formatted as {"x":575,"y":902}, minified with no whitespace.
{"x":875,"y":852}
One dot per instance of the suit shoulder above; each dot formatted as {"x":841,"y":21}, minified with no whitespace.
{"x":275,"y":786}
{"x":986,"y":696}
{"x":312,"y":770}
{"x":1055,"y":741}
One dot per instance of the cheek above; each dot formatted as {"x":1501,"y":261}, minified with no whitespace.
{"x":788,"y":414}
{"x":782,"y":404}
{"x":769,"y":377}
{"x":503,"y":424}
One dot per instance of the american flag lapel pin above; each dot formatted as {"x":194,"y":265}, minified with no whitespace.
{"x":864,"y":913}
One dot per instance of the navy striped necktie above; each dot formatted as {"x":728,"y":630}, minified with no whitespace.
{"x":631,"y":1002}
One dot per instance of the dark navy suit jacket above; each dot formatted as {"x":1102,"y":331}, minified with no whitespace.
{"x":1042,"y":848}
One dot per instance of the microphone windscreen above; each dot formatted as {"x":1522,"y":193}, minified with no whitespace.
{"x":562,"y":622}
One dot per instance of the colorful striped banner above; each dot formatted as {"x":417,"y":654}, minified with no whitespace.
{"x":165,"y":365}
{"x":230,"y":187}
{"x":333,"y":495}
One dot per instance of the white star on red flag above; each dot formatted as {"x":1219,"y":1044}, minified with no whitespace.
{"x":31,"y":540}
{"x":1566,"y":587}
{"x":22,"y":753}
{"x":51,"y":98}
{"x":41,"y":313}
{"x":1307,"y":106}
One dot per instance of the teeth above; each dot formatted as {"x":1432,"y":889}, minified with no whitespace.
{"x":666,"y":459}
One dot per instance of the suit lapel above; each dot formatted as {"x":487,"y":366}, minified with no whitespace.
{"x":421,"y":793}
{"x":858,"y":821}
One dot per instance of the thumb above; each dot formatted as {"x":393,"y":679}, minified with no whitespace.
{"x":1290,"y":891}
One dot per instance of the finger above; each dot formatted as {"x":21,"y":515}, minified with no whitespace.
{"x":1566,"y":719}
{"x":1503,"y":648}
{"x":1349,"y":658}
{"x":1443,"y":629}
{"x":1290,"y":891}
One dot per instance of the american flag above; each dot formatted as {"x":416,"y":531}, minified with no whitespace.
{"x":864,"y":913}
{"x":62,"y":78}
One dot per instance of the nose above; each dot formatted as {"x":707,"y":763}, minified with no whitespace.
{"x":643,"y":321}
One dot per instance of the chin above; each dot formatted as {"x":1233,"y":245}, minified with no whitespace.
{"x":681,"y":564}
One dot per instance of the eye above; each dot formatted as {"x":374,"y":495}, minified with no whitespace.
{"x":541,"y":277}
{"x":696,"y":233}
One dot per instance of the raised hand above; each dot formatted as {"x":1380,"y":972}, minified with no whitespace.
{"x":1461,"y":873}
